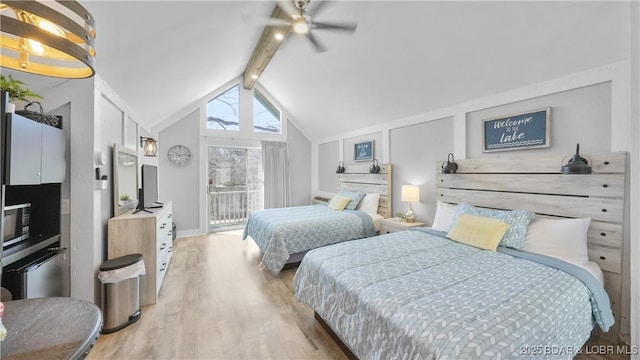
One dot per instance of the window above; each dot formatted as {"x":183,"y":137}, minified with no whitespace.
{"x":266,"y":118}
{"x":235,"y":185}
{"x":223,"y":112}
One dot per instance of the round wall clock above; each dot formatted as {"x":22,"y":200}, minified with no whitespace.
{"x":179,"y":155}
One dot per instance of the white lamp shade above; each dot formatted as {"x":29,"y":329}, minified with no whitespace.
{"x":410,"y":193}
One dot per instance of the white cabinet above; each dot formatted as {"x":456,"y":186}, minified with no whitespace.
{"x":147,"y":234}
{"x":36,"y":152}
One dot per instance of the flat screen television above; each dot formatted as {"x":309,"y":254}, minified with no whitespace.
{"x":150,"y":185}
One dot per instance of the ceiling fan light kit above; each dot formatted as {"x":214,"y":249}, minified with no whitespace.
{"x":300,"y":26}
{"x":51,"y":38}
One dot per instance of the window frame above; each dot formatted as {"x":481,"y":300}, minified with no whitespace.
{"x":246,"y":114}
{"x":226,"y":90}
{"x":270,"y":107}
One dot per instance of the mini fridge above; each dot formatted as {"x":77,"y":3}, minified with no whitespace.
{"x":38,"y":275}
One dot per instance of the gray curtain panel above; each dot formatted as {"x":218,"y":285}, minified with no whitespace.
{"x":275,"y":162}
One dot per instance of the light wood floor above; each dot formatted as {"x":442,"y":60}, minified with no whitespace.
{"x":216,"y":303}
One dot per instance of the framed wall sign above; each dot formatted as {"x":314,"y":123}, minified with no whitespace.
{"x":363,"y":151}
{"x":521,"y":131}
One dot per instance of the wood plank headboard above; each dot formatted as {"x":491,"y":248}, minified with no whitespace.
{"x":356,"y":177}
{"x":536,"y":184}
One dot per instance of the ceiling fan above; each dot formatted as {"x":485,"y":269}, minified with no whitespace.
{"x":302,"y":21}
{"x":288,"y":16}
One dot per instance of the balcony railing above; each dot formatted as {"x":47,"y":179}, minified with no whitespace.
{"x":232,"y":207}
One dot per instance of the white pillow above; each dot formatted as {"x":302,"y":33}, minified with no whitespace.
{"x":565,"y":239}
{"x":369,"y":203}
{"x":444,"y":216}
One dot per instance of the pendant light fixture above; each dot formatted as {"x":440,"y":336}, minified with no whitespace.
{"x":51,"y":38}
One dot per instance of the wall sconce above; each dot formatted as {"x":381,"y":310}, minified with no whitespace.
{"x":409,"y":194}
{"x":340,"y":169}
{"x":577,"y":164}
{"x":51,"y":38}
{"x":150,"y":146}
{"x":449,"y":166}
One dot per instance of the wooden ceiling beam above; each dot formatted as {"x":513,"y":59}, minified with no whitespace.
{"x":265,"y":49}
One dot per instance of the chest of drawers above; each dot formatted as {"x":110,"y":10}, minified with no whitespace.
{"x":149,"y":234}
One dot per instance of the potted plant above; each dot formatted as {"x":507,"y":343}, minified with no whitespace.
{"x":124,"y":199}
{"x":17,"y":91}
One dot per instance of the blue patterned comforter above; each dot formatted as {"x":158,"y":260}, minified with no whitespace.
{"x":414,"y":295}
{"x":282,"y":232}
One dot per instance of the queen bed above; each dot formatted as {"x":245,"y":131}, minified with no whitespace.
{"x":284,"y":235}
{"x":433,"y":294}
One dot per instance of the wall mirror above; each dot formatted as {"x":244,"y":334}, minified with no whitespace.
{"x":125,"y":179}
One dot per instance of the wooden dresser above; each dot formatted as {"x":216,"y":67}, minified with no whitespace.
{"x":149,"y":234}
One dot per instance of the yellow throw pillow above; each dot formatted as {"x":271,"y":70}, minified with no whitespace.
{"x":481,"y":232}
{"x":339,"y":202}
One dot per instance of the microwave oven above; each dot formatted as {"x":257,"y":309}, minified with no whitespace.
{"x":16,"y":224}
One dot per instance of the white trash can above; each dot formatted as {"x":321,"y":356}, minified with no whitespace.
{"x":121,"y":291}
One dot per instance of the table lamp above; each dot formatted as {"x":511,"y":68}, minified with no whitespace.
{"x":410,"y":193}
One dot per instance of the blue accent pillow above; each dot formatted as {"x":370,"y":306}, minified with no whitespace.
{"x":518,"y":221}
{"x":355,"y":197}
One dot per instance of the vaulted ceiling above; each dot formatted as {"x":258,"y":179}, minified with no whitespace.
{"x":405,"y":58}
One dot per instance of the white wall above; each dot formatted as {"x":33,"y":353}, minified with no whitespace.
{"x":95,"y":121}
{"x":300,"y":166}
{"x":348,"y":146}
{"x":328,"y":157}
{"x":181,"y":185}
{"x":579,"y":115}
{"x":592,"y":107}
{"x":65,"y":194}
{"x":414,"y":149}
{"x":85,"y":253}
{"x":188,"y":127}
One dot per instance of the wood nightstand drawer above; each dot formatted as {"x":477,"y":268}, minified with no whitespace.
{"x":388,"y":226}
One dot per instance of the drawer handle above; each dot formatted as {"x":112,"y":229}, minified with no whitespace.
{"x":162,"y":227}
{"x":171,"y":249}
{"x":164,"y":267}
{"x":169,"y":216}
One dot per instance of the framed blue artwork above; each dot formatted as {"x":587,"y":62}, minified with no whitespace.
{"x":521,"y":131}
{"x":363,"y":151}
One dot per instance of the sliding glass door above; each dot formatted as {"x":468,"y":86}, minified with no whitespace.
{"x":235,"y":186}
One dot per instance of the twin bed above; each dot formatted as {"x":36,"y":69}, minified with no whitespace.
{"x":419,"y":294}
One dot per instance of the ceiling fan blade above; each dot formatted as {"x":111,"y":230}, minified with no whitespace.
{"x":318,"y":7}
{"x":258,"y":20}
{"x":351,"y":27}
{"x":318,"y":47}
{"x":288,"y":7}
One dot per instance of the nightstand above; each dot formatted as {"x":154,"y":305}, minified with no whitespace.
{"x":388,"y":226}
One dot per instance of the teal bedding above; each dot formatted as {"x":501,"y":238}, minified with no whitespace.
{"x":285,"y":231}
{"x":417,"y":295}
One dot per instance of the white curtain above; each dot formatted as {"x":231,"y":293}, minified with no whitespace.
{"x":275,"y":164}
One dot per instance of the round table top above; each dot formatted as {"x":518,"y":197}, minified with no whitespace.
{"x":51,"y":328}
